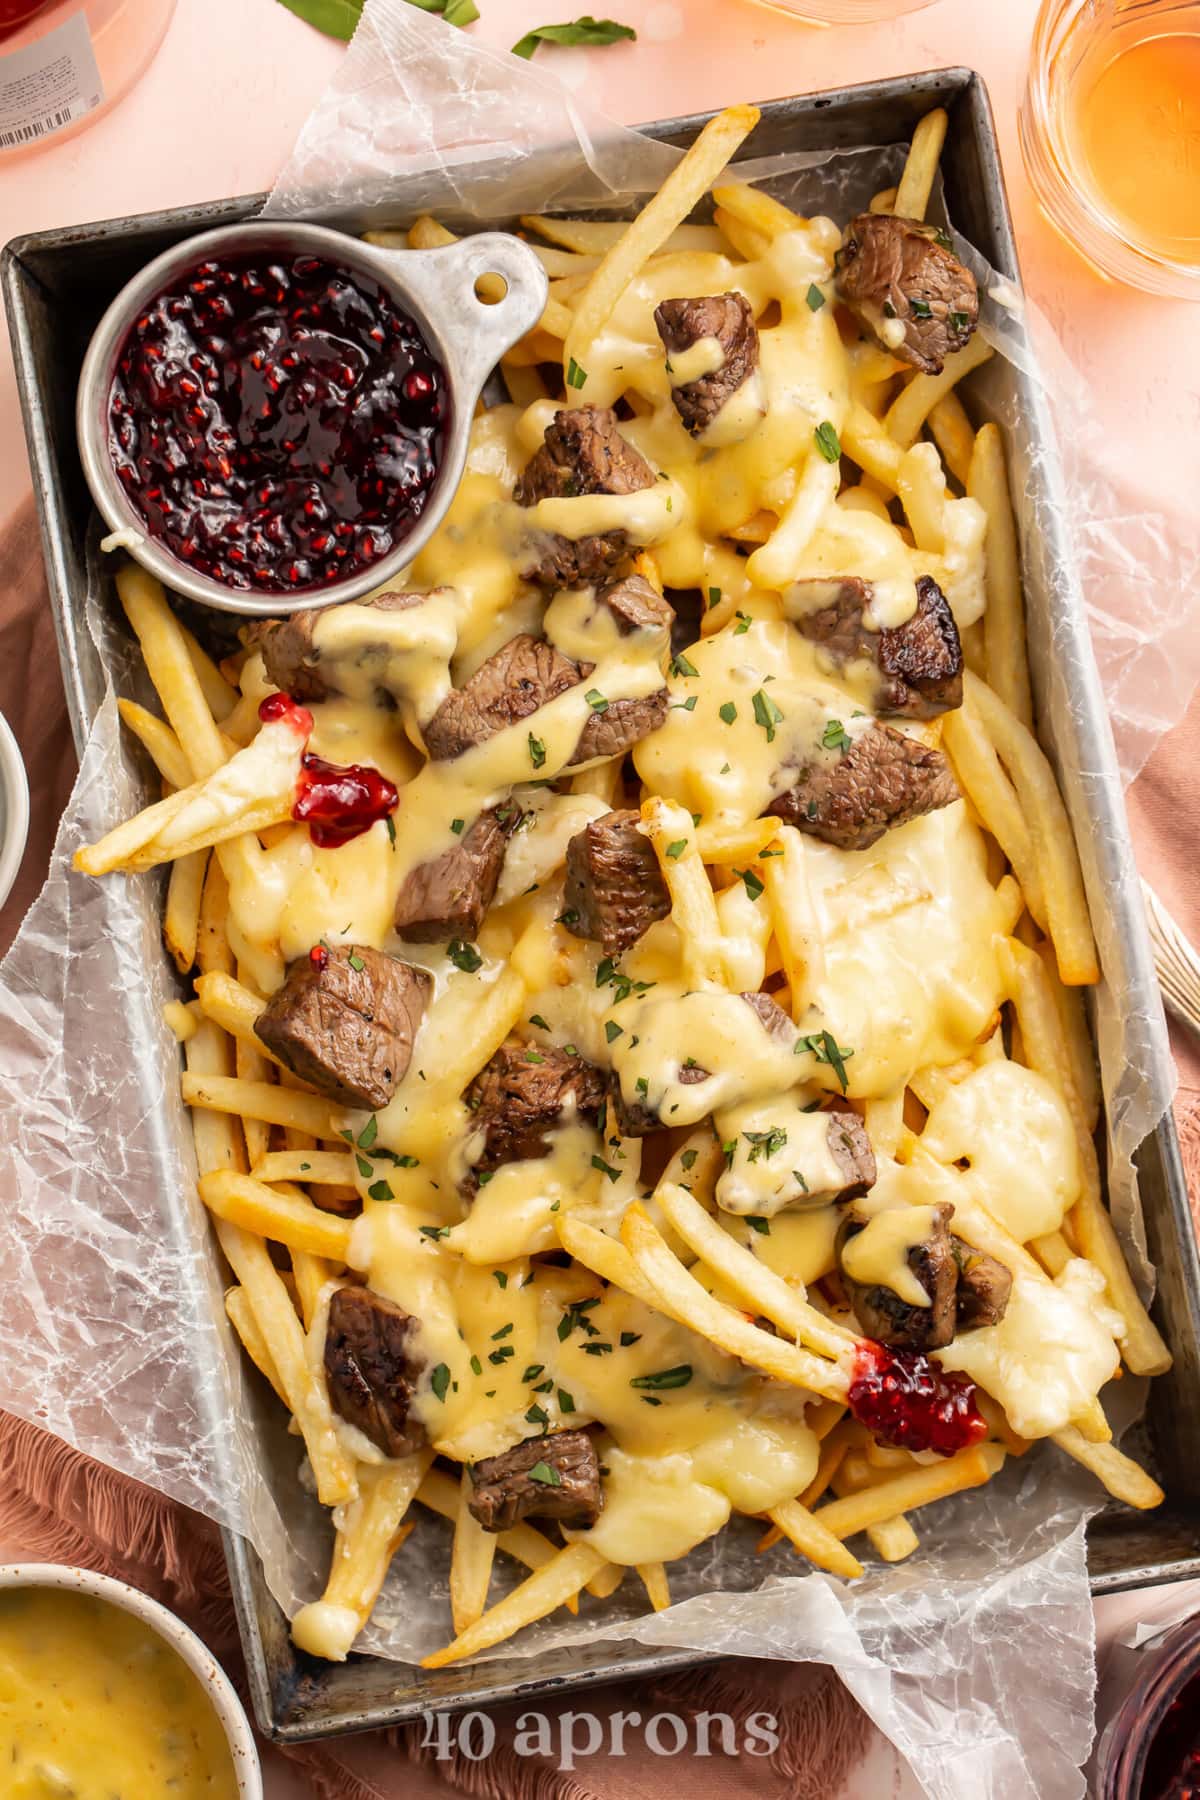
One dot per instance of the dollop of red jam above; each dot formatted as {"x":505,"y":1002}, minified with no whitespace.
{"x":904,"y":1399}
{"x":281,"y":706}
{"x":277,"y":424}
{"x":338,"y":803}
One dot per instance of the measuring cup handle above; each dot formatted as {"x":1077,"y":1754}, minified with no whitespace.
{"x":459,"y":288}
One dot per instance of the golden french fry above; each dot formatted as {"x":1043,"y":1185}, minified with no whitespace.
{"x":523,"y":1542}
{"x":170,"y":667}
{"x":735,"y":843}
{"x":658,"y":1588}
{"x":893,"y":1539}
{"x":904,"y":1493}
{"x":921,"y":487}
{"x":1124,"y":1479}
{"x":220,"y":695}
{"x":235,"y":1008}
{"x":525,"y":386}
{"x":916,"y":183}
{"x":241,"y":1317}
{"x":214,"y":954}
{"x":812,"y":1539}
{"x":745,"y":239}
{"x":471,"y":1560}
{"x":1081,"y":1052}
{"x":756,"y":208}
{"x":693,"y":904}
{"x":538,"y":1595}
{"x":594,"y":237}
{"x":370,"y":1533}
{"x":797,"y":931}
{"x":281,"y":1217}
{"x":909,"y":411}
{"x":720,"y":1324}
{"x":317,"y":1168}
{"x":159,"y":740}
{"x":261,"y":1100}
{"x":884,"y":201}
{"x":311,"y":1275}
{"x":1052,"y":1251}
{"x":867,"y":443}
{"x":994,"y":798}
{"x":181,"y":920}
{"x":954,"y":436}
{"x":773,"y":564}
{"x":687,"y":183}
{"x":1091,"y":1423}
{"x":1004,"y":620}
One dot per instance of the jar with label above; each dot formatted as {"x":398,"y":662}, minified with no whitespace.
{"x":64,"y":62}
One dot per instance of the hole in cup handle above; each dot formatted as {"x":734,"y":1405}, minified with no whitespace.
{"x":484,"y":292}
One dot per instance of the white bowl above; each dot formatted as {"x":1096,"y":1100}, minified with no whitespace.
{"x":14,"y":809}
{"x":173,"y":1631}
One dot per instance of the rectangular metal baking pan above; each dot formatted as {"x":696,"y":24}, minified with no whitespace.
{"x":56,"y":284}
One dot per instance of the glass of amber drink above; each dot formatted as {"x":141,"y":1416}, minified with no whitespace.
{"x":846,"y":12}
{"x":1110,"y":131}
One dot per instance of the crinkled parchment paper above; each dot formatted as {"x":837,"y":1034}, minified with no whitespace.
{"x":975,"y":1655}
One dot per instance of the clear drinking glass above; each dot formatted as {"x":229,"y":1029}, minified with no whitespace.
{"x":1110,"y":131}
{"x":65,"y":62}
{"x":846,"y":12}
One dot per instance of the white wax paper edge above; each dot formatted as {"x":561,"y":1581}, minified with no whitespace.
{"x":975,"y":1656}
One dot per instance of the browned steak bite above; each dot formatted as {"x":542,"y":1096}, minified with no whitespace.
{"x":852,"y":798}
{"x":920,"y":662}
{"x":525,"y":1092}
{"x":725,"y":317}
{"x":522,"y":675}
{"x":293,"y":662}
{"x":583,"y":453}
{"x":850,"y":1148}
{"x":614,"y":889}
{"x":617,"y":727}
{"x":984,"y":1286}
{"x":552,"y":1477}
{"x":771,"y":1016}
{"x":448,"y":896}
{"x":637,"y":607}
{"x":881,"y":1312}
{"x":894,"y":272}
{"x":345,"y":1021}
{"x":372,"y":1368}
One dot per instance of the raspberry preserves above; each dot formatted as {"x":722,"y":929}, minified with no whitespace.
{"x":904,"y":1399}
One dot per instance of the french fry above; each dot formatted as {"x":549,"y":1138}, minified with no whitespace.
{"x":220,"y":695}
{"x":595,"y":237}
{"x":1124,"y":1479}
{"x":367,"y":1540}
{"x":735,"y":843}
{"x":755,"y":207}
{"x":812,"y":1539}
{"x":208,"y":1053}
{"x":867,"y":443}
{"x":241,"y":1317}
{"x":214,"y":954}
{"x":1004,"y":618}
{"x":311,"y":1274}
{"x":884,"y":201}
{"x":893,"y":1539}
{"x":235,"y":1008}
{"x":774,"y":563}
{"x":169,"y":665}
{"x":1091,"y":1423}
{"x":687,"y":183}
{"x":905,"y":1493}
{"x":954,"y":436}
{"x":605,"y":1257}
{"x":525,"y":386}
{"x":720,"y":1324}
{"x":994,"y":798}
{"x":261,"y":1100}
{"x":158,"y":738}
{"x":693,"y":906}
{"x":523,"y":1542}
{"x":747,"y":240}
{"x":281,"y":1217}
{"x":658,"y":1588}
{"x":916,"y":183}
{"x":921,"y":487}
{"x":1081,"y":1052}
{"x":181,"y":920}
{"x":538,"y":1595}
{"x":316,"y":1168}
{"x":909,"y":411}
{"x":1052,"y":1251}
{"x":471,"y":1558}
{"x":795,"y":925}
{"x":756,"y":1286}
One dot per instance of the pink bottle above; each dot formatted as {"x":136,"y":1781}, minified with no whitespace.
{"x":64,"y":62}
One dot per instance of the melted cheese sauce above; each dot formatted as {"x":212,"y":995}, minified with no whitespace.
{"x":1013,"y":1131}
{"x":877,"y":1256}
{"x":95,"y":1706}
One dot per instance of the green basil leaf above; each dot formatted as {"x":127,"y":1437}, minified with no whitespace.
{"x":585,"y":30}
{"x":336,"y":18}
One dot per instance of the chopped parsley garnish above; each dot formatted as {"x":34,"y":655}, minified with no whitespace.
{"x":365,"y":1169}
{"x":650,"y":1400}
{"x":367,"y":1135}
{"x":537,"y":1415}
{"x":959,"y":321}
{"x":800,"y":1181}
{"x":574,"y":1318}
{"x":576,"y":377}
{"x":676,"y":849}
{"x":598,"y":1347}
{"x":630,"y":1337}
{"x":621,"y":984}
{"x":534,"y":1056}
{"x":537,"y":1019}
{"x":677,"y":1377}
{"x":688,"y":705}
{"x":767,"y":714}
{"x":943,"y":238}
{"x":743,"y":624}
{"x":537,"y":751}
{"x":380,"y":1190}
{"x":548,"y":1476}
{"x":533,"y":1371}
{"x":728,"y":712}
{"x":569,"y":916}
{"x":476,"y":1366}
{"x":920,"y":309}
{"x":688,"y":1159}
{"x":504,"y":1331}
{"x":501,"y":1355}
{"x":757,"y":1223}
{"x":566,"y":1401}
{"x":825,"y":1047}
{"x":835,"y":736}
{"x":754,"y":886}
{"x":501,"y":1276}
{"x":827,"y":441}
{"x":439,"y":1381}
{"x":434,"y":1231}
{"x":642,"y":1085}
{"x":356,"y":963}
{"x":484,"y":1176}
{"x":596,"y":700}
{"x":714,"y":597}
{"x":681,"y":666}
{"x":456,"y":826}
{"x":543,"y":1387}
{"x":765,"y":1143}
{"x":464,"y":956}
{"x":598,"y":1162}
{"x":612,"y":1030}
{"x":391,"y":830}
{"x":729,"y":1151}
{"x":814,"y":297}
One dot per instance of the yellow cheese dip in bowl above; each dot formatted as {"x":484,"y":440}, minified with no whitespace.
{"x":105,"y":1695}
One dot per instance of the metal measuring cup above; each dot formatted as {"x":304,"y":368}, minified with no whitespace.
{"x":438,"y":288}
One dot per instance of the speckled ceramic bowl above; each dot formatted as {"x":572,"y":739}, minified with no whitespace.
{"x":174,"y":1632}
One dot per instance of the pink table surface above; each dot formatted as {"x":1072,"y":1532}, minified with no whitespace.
{"x":221,"y":104}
